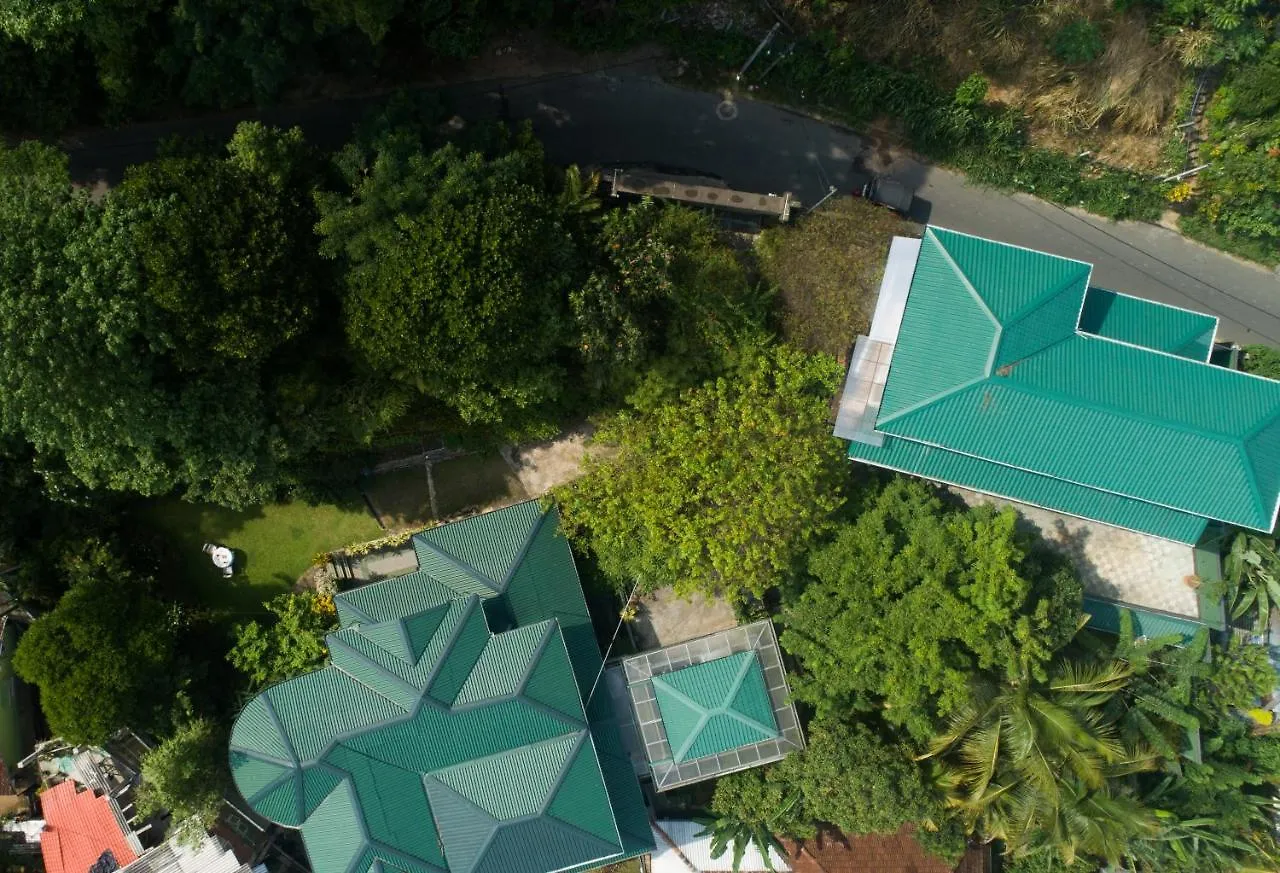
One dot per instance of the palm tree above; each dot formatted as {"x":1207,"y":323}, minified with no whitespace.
{"x":1040,"y":765}
{"x":732,"y":831}
{"x":578,"y":195}
{"x":1155,"y":709}
{"x":1253,"y":577}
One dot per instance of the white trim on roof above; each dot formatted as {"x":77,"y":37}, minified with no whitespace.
{"x":1212,"y":339}
{"x":891,"y":300}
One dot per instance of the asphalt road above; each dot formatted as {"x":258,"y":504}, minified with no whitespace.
{"x":629,"y":115}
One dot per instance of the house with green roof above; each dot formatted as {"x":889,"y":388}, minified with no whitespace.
{"x":1002,"y":370}
{"x":709,"y":706}
{"x":454,"y":729}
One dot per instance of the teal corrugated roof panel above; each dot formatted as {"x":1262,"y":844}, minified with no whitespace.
{"x":543,"y":683}
{"x":407,"y":822}
{"x":464,"y":651}
{"x":505,"y":662}
{"x":335,"y":834}
{"x":515,"y":783}
{"x":1052,"y":401}
{"x":941,"y":465}
{"x":581,"y":800}
{"x":715,"y":706}
{"x":1007,"y":422}
{"x":952,"y":309}
{"x":348,"y":707}
{"x":1012,"y":281}
{"x":629,"y":810}
{"x":1104,"y":615}
{"x":546,"y":586}
{"x":1148,"y":324}
{"x":556,"y":844}
{"x":391,"y":599}
{"x":491,"y":543}
{"x":432,"y":745}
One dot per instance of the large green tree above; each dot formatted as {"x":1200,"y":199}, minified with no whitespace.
{"x":667,"y":300}
{"x":458,"y":266}
{"x":187,"y":776}
{"x":140,"y":340}
{"x":292,"y":643}
{"x":914,"y":598}
{"x":719,"y":490}
{"x":105,"y":657}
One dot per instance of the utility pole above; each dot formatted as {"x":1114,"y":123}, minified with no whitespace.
{"x":764,"y":43}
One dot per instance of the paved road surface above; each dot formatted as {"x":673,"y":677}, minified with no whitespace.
{"x":630,"y":115}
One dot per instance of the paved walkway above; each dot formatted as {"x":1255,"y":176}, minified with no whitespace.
{"x":1113,"y":563}
{"x":665,"y":619}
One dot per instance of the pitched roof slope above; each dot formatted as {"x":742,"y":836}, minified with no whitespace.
{"x":715,"y":706}
{"x":79,"y":827}
{"x":991,"y":369}
{"x":430,"y":743}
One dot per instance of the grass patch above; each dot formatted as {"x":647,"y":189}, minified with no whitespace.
{"x":273,"y":544}
{"x":474,"y":482}
{"x":401,"y":497}
{"x":827,"y":268}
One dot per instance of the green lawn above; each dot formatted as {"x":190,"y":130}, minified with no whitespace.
{"x":273,"y":544}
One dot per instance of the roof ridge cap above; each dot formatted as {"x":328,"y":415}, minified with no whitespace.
{"x":524,"y":549}
{"x":928,"y":401}
{"x":966,"y":282}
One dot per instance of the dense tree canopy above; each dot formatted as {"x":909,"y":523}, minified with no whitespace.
{"x":105,"y":657}
{"x":719,"y":490}
{"x":667,"y":300}
{"x":186,"y":776}
{"x":457,"y":269}
{"x":913,"y":599}
{"x":142,"y":340}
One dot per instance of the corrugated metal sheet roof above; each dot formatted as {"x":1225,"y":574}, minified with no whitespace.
{"x":990,"y":478}
{"x":1148,"y":324}
{"x":715,"y":706}
{"x":79,"y":827}
{"x":680,"y":849}
{"x":988,"y":363}
{"x":1104,"y":615}
{"x":420,"y":688}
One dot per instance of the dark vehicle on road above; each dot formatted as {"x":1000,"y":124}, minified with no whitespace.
{"x":883,"y":190}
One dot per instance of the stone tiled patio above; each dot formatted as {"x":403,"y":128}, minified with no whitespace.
{"x":1113,"y":563}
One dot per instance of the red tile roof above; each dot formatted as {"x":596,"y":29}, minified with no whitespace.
{"x":79,"y":827}
{"x":877,"y":853}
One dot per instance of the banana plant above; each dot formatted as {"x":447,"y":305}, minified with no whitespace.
{"x":737,"y":833}
{"x":1253,"y":578}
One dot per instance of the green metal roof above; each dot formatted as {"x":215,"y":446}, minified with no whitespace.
{"x":1104,"y":615}
{"x":1148,"y":324}
{"x":990,"y":367}
{"x":969,"y":472}
{"x":430,"y":744}
{"x":715,"y":706}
